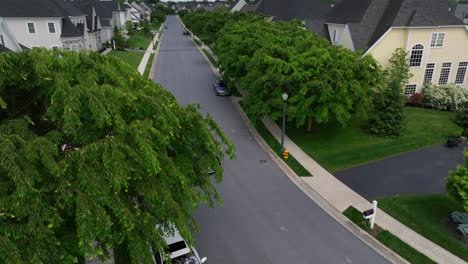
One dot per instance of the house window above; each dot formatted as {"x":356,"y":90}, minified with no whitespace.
{"x":2,"y":41}
{"x":437,"y":40}
{"x":445,"y":73}
{"x":461,"y":72}
{"x":428,"y":73}
{"x":410,"y":89}
{"x":51,"y":26}
{"x":55,"y":47}
{"x":416,"y":55}
{"x":74,"y":47}
{"x":334,"y":35}
{"x":31,"y":28}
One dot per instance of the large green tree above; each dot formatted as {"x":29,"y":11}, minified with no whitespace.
{"x":325,"y":83}
{"x":93,"y":156}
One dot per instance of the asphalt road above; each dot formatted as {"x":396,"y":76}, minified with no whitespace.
{"x":418,"y":172}
{"x":264,"y":218}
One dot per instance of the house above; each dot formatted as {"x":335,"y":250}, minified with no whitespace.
{"x":138,"y":13}
{"x":461,"y":11}
{"x":43,"y":23}
{"x":102,"y":18}
{"x":7,"y":39}
{"x":436,"y":41}
{"x":237,"y":6}
{"x":291,"y":9}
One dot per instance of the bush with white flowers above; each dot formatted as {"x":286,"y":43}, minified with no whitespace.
{"x":445,"y":97}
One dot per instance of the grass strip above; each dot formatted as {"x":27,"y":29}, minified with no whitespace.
{"x":210,"y":58}
{"x":197,"y":41}
{"x":148,"y":66}
{"x":388,"y":239}
{"x":428,"y":215}
{"x":275,"y":146}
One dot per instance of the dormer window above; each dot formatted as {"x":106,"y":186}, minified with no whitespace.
{"x":437,"y":40}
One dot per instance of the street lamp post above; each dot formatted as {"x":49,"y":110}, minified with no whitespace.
{"x":285,"y":98}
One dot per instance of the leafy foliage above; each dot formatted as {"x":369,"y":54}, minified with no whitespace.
{"x":462,"y":120}
{"x":92,"y":156}
{"x":206,"y":24}
{"x":388,"y":118}
{"x":159,"y":14}
{"x":445,"y":97}
{"x":457,"y":183}
{"x":325,"y":83}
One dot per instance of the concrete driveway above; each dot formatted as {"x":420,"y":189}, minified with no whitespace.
{"x":264,"y":218}
{"x":418,"y":172}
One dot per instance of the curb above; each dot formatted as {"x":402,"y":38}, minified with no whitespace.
{"x":156,"y":56}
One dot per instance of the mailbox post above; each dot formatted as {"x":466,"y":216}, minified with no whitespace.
{"x":370,"y":214}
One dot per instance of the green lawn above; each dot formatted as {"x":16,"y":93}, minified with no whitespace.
{"x":139,"y":41}
{"x":132,"y":58}
{"x":148,"y":66}
{"x":426,"y":214}
{"x":388,"y":239}
{"x":337,"y":148}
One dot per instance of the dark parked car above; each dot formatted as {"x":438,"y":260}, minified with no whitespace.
{"x":165,"y":27}
{"x":221,"y":89}
{"x":185,"y":32}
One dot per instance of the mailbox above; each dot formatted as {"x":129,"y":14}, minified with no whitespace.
{"x":368,"y":213}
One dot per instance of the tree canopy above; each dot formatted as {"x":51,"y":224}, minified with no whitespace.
{"x":92,"y":156}
{"x":325,"y":83}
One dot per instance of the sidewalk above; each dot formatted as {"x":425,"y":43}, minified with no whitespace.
{"x":340,"y":197}
{"x":148,"y":52}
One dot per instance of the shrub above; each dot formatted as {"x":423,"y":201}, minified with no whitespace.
{"x":463,"y":228}
{"x":416,"y":100}
{"x":388,"y":116}
{"x":462,"y":120}
{"x":445,"y":97}
{"x":459,"y":217}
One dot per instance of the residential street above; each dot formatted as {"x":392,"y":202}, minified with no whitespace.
{"x":417,"y":172}
{"x":264,"y":218}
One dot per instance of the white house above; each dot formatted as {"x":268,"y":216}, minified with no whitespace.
{"x":42,"y":23}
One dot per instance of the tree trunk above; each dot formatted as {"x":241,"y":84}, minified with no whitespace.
{"x":309,"y":125}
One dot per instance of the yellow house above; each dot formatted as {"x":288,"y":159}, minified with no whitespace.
{"x":436,"y":41}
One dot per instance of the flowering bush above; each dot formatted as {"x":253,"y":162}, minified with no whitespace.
{"x":445,"y":97}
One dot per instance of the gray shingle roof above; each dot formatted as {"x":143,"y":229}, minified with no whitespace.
{"x":37,"y":8}
{"x":461,"y":11}
{"x":69,"y":30}
{"x":368,"y":20}
{"x":290,"y":9}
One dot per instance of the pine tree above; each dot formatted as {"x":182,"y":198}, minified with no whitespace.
{"x":93,"y":156}
{"x":387,"y":117}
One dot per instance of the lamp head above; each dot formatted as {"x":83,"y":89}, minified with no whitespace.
{"x":284,"y":96}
